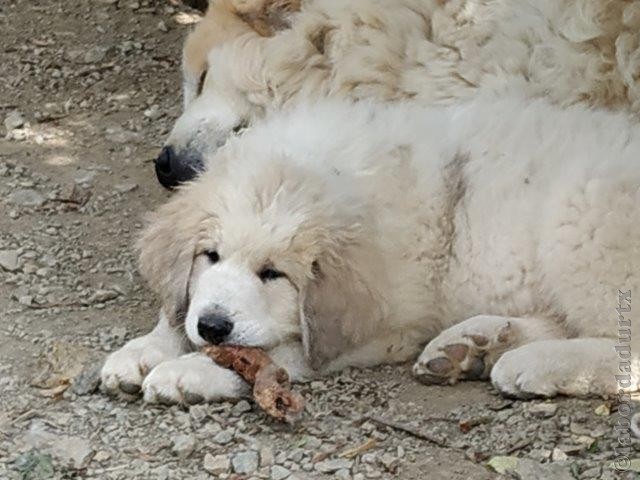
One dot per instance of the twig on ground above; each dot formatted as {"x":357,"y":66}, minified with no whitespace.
{"x":408,"y":429}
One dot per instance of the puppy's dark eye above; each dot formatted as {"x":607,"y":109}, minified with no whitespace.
{"x":267,"y":274}
{"x":213,"y":256}
{"x":203,"y":75}
{"x":240,"y":127}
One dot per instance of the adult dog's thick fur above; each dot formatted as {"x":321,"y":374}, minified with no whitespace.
{"x":432,"y":52}
{"x":501,"y":233}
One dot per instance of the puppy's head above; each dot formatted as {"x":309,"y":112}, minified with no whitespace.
{"x":214,"y":108}
{"x":262,"y":255}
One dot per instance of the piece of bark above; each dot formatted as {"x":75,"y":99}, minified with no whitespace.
{"x":270,"y":382}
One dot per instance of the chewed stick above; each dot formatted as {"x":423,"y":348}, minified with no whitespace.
{"x":270,"y":382}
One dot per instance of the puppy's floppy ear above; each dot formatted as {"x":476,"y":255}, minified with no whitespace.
{"x":167,"y":247}
{"x":340,"y":308}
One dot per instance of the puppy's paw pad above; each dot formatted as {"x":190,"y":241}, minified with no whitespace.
{"x":460,"y":355}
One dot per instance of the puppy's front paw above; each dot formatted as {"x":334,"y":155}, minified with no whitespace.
{"x":124,"y":370}
{"x":192,"y":378}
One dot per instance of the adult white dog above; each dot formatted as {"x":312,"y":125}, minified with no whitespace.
{"x":503,"y":234}
{"x":430,"y":52}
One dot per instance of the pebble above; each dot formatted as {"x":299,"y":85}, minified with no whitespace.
{"x":224,"y":437}
{"x":558,"y":455}
{"x":101,"y":456}
{"x":267,"y":457}
{"x":153,"y":112}
{"x":245,"y":462}
{"x":27,"y":197}
{"x":9,"y":260}
{"x":279,"y":473}
{"x":125,"y":187}
{"x":241,"y":407}
{"x":95,"y":55}
{"x":333,"y":465}
{"x":14,"y":120}
{"x":543,"y":410}
{"x":216,"y":464}
{"x":88,"y":381}
{"x":102,"y":296}
{"x":183,"y":445}
{"x":342,"y":474}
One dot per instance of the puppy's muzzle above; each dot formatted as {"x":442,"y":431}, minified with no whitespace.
{"x":176,"y":167}
{"x":214,"y":327}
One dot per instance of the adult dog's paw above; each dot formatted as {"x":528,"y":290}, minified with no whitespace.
{"x":190,"y":379}
{"x":466,"y":351}
{"x":124,"y":370}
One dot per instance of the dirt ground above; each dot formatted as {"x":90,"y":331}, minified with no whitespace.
{"x":88,"y":90}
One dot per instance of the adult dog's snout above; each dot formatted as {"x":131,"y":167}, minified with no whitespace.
{"x":214,"y":327}
{"x":174,"y":168}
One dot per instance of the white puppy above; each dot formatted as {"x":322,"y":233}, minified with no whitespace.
{"x":503,"y":234}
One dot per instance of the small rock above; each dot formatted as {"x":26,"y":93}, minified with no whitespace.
{"x":34,"y":466}
{"x":591,"y":473}
{"x":9,"y":260}
{"x":183,"y":445}
{"x":279,"y":473}
{"x":342,"y":474}
{"x":224,"y":437}
{"x":388,"y":461}
{"x":26,"y":300}
{"x":27,"y":197}
{"x":543,"y":410}
{"x":266,"y":457}
{"x":162,"y":26}
{"x":101,"y":456}
{"x":88,"y":381}
{"x":95,"y":55}
{"x":333,"y":465}
{"x":530,"y":470}
{"x":216,"y":464}
{"x":153,"y":112}
{"x":13,"y":120}
{"x":245,"y":462}
{"x":241,"y":407}
{"x":100,"y":296}
{"x":125,"y":187}
{"x":198,"y":413}
{"x":84,"y":177}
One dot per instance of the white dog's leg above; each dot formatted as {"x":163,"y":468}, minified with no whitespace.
{"x":195,"y":378}
{"x":468,"y":350}
{"x":124,"y":370}
{"x":192,"y":378}
{"x":574,"y":367}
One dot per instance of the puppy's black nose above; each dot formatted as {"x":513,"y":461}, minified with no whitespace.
{"x":174,"y":168}
{"x":214,"y":327}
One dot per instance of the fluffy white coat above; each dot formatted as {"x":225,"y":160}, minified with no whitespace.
{"x":497,"y":225}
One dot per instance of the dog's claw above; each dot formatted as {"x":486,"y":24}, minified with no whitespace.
{"x":130,"y":388}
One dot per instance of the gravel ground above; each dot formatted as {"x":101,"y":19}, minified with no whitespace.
{"x":89,"y":90}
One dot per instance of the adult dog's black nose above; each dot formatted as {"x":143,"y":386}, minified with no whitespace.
{"x":214,"y":327}
{"x":174,"y":168}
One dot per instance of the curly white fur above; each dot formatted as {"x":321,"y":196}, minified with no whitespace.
{"x":495,"y":225}
{"x":432,"y":52}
